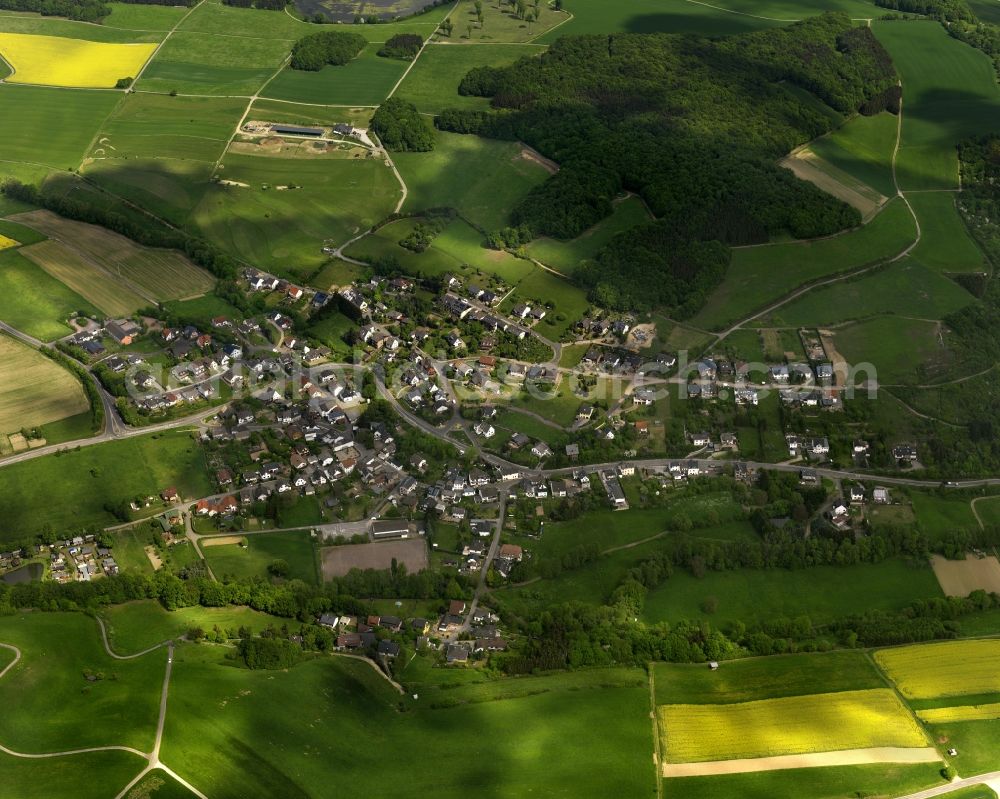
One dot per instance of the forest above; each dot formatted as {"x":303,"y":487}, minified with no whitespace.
{"x":694,"y":126}
{"x":315,"y":51}
{"x":400,"y":127}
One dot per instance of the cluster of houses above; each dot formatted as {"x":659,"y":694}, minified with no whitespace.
{"x":79,"y":559}
{"x":93,"y":338}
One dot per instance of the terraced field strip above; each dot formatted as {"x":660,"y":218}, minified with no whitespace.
{"x":844,"y":757}
{"x":58,"y":61}
{"x":90,"y":282}
{"x":947,"y":715}
{"x":160,"y":274}
{"x":34,"y":390}
{"x":787,"y":726}
{"x":950,"y":668}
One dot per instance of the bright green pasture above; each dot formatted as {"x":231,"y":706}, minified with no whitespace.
{"x":135,"y":626}
{"x":432,"y":84}
{"x":945,"y":243}
{"x":193,"y":63}
{"x":59,"y":650}
{"x":88,"y":478}
{"x":764,"y":678}
{"x":365,"y":80}
{"x":566,"y":256}
{"x":336,"y":199}
{"x":482,"y":178}
{"x":949,"y":94}
{"x":50,"y":127}
{"x":897,"y":347}
{"x":862,"y":147}
{"x":552,"y":736}
{"x":68,"y":29}
{"x":60,"y":777}
{"x":938,"y":516}
{"x":34,"y":302}
{"x":906,"y":287}
{"x":759,"y":275}
{"x":262,"y":550}
{"x":977,"y":743}
{"x":823,"y":593}
{"x":130,"y":16}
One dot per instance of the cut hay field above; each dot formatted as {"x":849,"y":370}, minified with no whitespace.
{"x":759,"y":275}
{"x":34,"y":302}
{"x":153,"y":273}
{"x":906,"y":286}
{"x":365,"y":80}
{"x":548,"y":736}
{"x":68,"y":117}
{"x":432,"y":84}
{"x":58,"y":651}
{"x":928,"y":671}
{"x":35,"y":390}
{"x":58,"y":61}
{"x":481,"y":178}
{"x":566,"y":256}
{"x":336,"y":199}
{"x":808,"y":166}
{"x":949,"y":93}
{"x":84,"y":278}
{"x":295,"y":548}
{"x":787,"y":726}
{"x":91,"y":479}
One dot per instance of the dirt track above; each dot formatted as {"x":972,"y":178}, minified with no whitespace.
{"x":847,"y":757}
{"x":221,"y":540}
{"x":962,"y":577}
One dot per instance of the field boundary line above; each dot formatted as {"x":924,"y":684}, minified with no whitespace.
{"x":657,"y":755}
{"x":166,"y":38}
{"x":740,"y":13}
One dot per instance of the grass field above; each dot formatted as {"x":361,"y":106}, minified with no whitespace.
{"x":949,"y":93}
{"x":764,"y":678}
{"x":898,"y":348}
{"x":432,"y":84}
{"x":51,"y":26}
{"x":69,"y":119}
{"x":862,"y":147}
{"x":365,"y":80}
{"x":759,"y":275}
{"x":58,"y":61}
{"x":553,"y":736}
{"x":152,"y":273}
{"x":907,"y":286}
{"x":35,"y":390}
{"x":95,"y":476}
{"x":926,"y":671}
{"x":57,"y":777}
{"x":786,"y":726}
{"x":169,"y":188}
{"x":58,"y":651}
{"x":82,"y":277}
{"x":945,"y":244}
{"x":159,"y":785}
{"x":138,"y":625}
{"x":481,"y":178}
{"x":252,"y":561}
{"x":500,"y":23}
{"x":823,"y":593}
{"x":566,"y":256}
{"x":285,"y":230}
{"x":34,"y":302}
{"x":939,"y":515}
{"x":131,"y":17}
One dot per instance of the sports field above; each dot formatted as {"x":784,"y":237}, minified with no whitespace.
{"x":151,"y":273}
{"x":58,"y":61}
{"x":35,"y":390}
{"x":927,"y":671}
{"x":82,"y":276}
{"x":787,"y":726}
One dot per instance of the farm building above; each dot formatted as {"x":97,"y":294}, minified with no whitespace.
{"x":390,"y":528}
{"x":296,"y":130}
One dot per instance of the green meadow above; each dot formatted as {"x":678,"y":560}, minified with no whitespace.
{"x":233,"y":560}
{"x":897,"y":347}
{"x":60,"y":777}
{"x":365,"y":80}
{"x":33,"y":301}
{"x":130,"y":16}
{"x":69,"y":29}
{"x":945,"y":243}
{"x":862,"y":147}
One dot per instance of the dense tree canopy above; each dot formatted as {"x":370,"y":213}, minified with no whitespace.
{"x":400,"y":127}
{"x":402,"y":45}
{"x":315,"y":51}
{"x":693,"y":125}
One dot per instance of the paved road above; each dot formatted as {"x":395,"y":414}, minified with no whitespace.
{"x":481,"y":587}
{"x":942,"y":790}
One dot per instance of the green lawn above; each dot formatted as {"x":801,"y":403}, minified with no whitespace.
{"x":87,"y":479}
{"x":120,"y":706}
{"x":949,"y":93}
{"x":862,"y":147}
{"x":823,"y":593}
{"x":482,"y":178}
{"x":33,"y":301}
{"x":282,"y":730}
{"x":262,"y":550}
{"x":906,"y":287}
{"x":365,"y":80}
{"x":432,"y":84}
{"x":759,"y":275}
{"x":135,"y":626}
{"x":764,"y":678}
{"x":945,"y":243}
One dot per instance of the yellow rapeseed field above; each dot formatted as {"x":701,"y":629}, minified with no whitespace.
{"x":944,"y":715}
{"x":788,"y":726}
{"x":6,"y":244}
{"x":926,"y":671}
{"x":57,"y":61}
